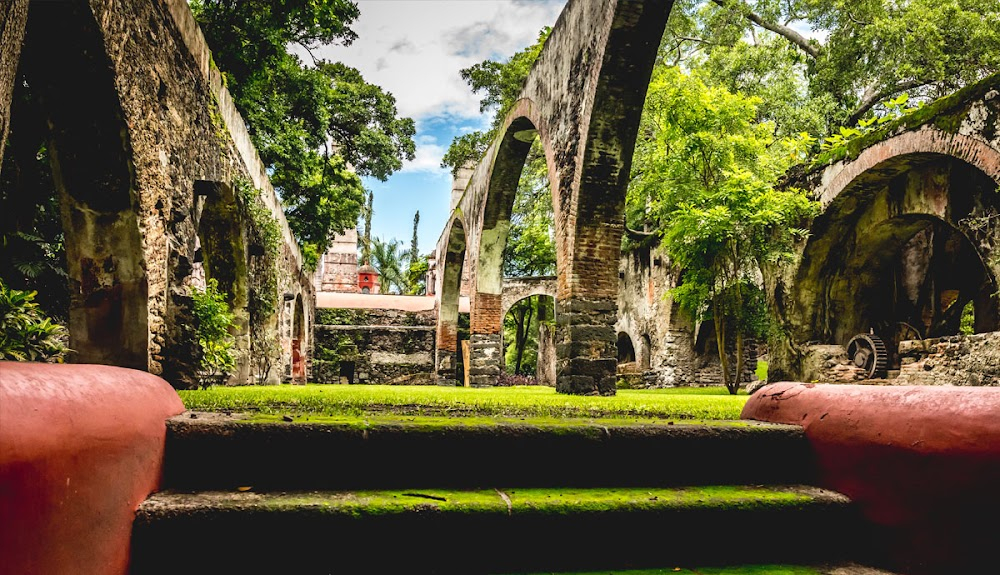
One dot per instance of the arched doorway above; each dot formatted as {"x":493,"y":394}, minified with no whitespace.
{"x":898,"y":255}
{"x":447,"y":338}
{"x":70,"y":153}
{"x":529,"y":339}
{"x":299,"y":342}
{"x":626,"y":351}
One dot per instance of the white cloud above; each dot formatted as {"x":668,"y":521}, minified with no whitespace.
{"x":427,"y":157}
{"x":415,"y":48}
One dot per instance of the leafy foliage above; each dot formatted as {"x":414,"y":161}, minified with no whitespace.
{"x":862,"y":53}
{"x":530,"y":249}
{"x":500,"y":83}
{"x":317,"y":128}
{"x":26,"y":334}
{"x":388,"y":259}
{"x":705,"y":170}
{"x":214,"y":321}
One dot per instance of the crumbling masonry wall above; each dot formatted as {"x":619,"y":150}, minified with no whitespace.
{"x":907,"y":240}
{"x":354,"y":346}
{"x":166,"y":117}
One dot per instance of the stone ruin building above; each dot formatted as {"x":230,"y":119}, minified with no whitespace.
{"x":156,"y":177}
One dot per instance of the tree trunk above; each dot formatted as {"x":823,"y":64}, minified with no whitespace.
{"x":720,"y":340}
{"x":738,"y":375}
{"x":523,"y":325}
{"x":13,"y":17}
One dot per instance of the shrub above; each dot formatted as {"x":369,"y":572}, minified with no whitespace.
{"x":26,"y":334}
{"x":214,"y":324}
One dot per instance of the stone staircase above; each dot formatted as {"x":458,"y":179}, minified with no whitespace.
{"x":475,"y":496}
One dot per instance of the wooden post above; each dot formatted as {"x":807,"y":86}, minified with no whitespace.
{"x":465,"y":361}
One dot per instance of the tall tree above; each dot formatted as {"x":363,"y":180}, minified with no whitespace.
{"x":414,"y":250}
{"x":388,"y":260}
{"x":317,"y":128}
{"x":366,"y":236}
{"x":706,"y":170}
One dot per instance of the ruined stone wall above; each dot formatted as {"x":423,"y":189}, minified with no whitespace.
{"x":956,"y":360}
{"x":913,"y":206}
{"x":148,"y":69}
{"x":374,"y":347}
{"x":664,"y":338}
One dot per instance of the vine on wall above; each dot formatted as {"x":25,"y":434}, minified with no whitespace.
{"x":264,"y":238}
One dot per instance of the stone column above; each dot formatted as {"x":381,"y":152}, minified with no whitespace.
{"x":585,"y":345}
{"x":485,"y":340}
{"x":446,"y":348}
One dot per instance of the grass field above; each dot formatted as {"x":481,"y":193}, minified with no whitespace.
{"x":712,"y":403}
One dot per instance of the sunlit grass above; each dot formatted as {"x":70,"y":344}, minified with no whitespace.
{"x":675,"y":403}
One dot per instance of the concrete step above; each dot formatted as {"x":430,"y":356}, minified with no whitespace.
{"x":499,"y":530}
{"x":219,"y":452}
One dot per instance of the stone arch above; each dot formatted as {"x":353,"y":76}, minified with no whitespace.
{"x":66,"y":65}
{"x":451,"y":285}
{"x":516,"y":289}
{"x":893,"y":250}
{"x":221,"y":234}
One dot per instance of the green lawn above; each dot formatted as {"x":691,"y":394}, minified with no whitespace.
{"x":713,"y":403}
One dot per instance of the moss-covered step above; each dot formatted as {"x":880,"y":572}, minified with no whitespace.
{"x":221,"y":452}
{"x":498,"y":530}
{"x":770,"y":569}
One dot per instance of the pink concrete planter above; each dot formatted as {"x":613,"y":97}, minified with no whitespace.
{"x":81,"y":446}
{"x":922,"y":463}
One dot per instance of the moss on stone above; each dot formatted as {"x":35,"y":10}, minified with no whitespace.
{"x":513,"y":501}
{"x":945,"y":113}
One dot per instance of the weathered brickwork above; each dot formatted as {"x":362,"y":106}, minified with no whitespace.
{"x":904,"y":247}
{"x":583,"y":98}
{"x":141,"y":119}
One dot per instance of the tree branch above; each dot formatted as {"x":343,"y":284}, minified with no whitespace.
{"x":788,"y":33}
{"x":871,"y":97}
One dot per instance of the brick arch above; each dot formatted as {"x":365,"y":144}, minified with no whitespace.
{"x":884,"y":156}
{"x":585,"y":95}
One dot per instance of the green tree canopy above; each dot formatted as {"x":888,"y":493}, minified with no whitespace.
{"x":705,"y":171}
{"x":317,"y":128}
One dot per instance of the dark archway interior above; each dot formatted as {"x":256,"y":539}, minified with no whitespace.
{"x":67,"y":115}
{"x":882,"y":260}
{"x":626,"y":351}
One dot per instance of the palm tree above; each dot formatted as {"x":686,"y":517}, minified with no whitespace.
{"x":388,"y":260}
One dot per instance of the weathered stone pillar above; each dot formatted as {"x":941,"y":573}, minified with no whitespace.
{"x":485,"y":341}
{"x":13,"y":16}
{"x":585,"y":345}
{"x":446,"y":349}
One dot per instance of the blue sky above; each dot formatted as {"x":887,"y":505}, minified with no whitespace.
{"x":415,"y":49}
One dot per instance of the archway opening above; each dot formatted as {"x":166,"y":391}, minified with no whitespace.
{"x":898,"y":255}
{"x":68,"y":190}
{"x":453,"y":271}
{"x":299,"y":342}
{"x":518,"y":237}
{"x":626,"y":351}
{"x":529,"y":340}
